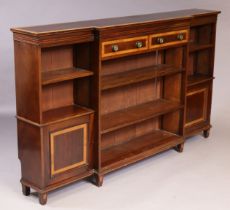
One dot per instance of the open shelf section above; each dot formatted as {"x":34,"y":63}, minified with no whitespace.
{"x":137,"y":75}
{"x":197,"y":47}
{"x":138,"y":149}
{"x":64,"y":113}
{"x":136,"y":114}
{"x":198,"y":79}
{"x":49,"y":77}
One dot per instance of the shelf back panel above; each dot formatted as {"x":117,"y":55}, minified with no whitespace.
{"x":57,"y":95}
{"x":128,"y":133}
{"x":129,"y":63}
{"x":130,"y":95}
{"x":57,"y":58}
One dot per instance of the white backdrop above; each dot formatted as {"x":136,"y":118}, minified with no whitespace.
{"x":33,"y":12}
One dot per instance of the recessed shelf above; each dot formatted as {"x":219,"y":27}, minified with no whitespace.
{"x":198,"y":78}
{"x":136,"y":149}
{"x":136,"y":114}
{"x":197,"y":47}
{"x":137,"y":75}
{"x":49,"y":77}
{"x":64,"y":113}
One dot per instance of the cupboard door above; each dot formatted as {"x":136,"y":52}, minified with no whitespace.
{"x":197,"y":105}
{"x":68,"y":148}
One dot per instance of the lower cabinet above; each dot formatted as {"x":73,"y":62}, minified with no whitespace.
{"x":55,"y":155}
{"x":66,"y":150}
{"x":198,"y":107}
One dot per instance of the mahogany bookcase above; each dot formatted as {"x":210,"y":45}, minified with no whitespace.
{"x":94,"y":96}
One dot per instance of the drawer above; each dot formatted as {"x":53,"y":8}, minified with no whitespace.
{"x":124,"y":46}
{"x":168,"y":39}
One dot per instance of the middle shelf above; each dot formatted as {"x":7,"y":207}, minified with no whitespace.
{"x":137,"y":75}
{"x":136,"y":114}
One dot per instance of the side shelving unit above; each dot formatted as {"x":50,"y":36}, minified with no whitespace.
{"x":200,"y":77}
{"x":63,"y":82}
{"x":201,"y":48}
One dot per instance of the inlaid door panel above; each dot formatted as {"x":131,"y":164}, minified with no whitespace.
{"x":68,"y":148}
{"x":197,"y":106}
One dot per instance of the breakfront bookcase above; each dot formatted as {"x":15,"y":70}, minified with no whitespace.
{"x":94,"y":96}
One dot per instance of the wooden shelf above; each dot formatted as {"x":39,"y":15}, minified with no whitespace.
{"x":49,"y":77}
{"x":64,"y":113}
{"x":197,"y":47}
{"x":136,"y":114}
{"x":137,"y":75}
{"x":198,"y":78}
{"x":137,"y":149}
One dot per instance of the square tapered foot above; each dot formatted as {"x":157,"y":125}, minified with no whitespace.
{"x":98,"y":180}
{"x":42,"y":198}
{"x":180,"y":148}
{"x":206,"y":133}
{"x":25,"y":190}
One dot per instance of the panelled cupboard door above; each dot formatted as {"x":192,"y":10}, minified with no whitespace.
{"x":197,"y":110}
{"x":67,"y":149}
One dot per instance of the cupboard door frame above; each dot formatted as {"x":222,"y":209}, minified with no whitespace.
{"x":78,"y":166}
{"x":84,"y":148}
{"x":204,"y":118}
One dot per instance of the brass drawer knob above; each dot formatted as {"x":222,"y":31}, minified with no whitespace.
{"x":180,"y":37}
{"x":115,"y":48}
{"x":139,"y":44}
{"x":160,"y":40}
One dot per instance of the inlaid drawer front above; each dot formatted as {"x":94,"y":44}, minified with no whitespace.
{"x":124,"y":46}
{"x":168,"y":39}
{"x":68,"y":148}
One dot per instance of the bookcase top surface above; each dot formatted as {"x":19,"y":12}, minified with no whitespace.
{"x":111,"y":22}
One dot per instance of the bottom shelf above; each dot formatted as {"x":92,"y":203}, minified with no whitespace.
{"x":137,"y":149}
{"x":62,"y":113}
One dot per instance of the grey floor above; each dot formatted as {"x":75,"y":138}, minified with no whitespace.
{"x":197,"y":179}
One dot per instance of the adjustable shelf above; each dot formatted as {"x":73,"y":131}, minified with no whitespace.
{"x":198,"y":47}
{"x":136,"y":114}
{"x":64,"y":113}
{"x":198,"y":79}
{"x":50,"y":77}
{"x":137,"y":75}
{"x":136,"y":149}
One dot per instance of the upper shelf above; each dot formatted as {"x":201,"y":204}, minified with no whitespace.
{"x":136,"y":114}
{"x":197,"y":47}
{"x":50,"y":77}
{"x":137,"y":75}
{"x":198,"y":79}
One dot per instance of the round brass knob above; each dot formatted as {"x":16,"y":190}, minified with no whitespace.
{"x":139,"y":44}
{"x":160,"y":40}
{"x":180,"y":36}
{"x":115,"y":48}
